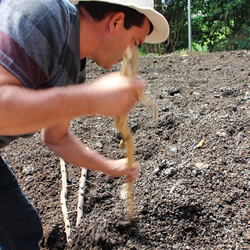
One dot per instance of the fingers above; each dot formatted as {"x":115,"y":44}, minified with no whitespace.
{"x":119,"y":168}
{"x":139,"y":85}
{"x":133,"y":173}
{"x":108,"y":91}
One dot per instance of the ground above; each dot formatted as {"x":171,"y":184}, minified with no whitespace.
{"x":186,"y":196}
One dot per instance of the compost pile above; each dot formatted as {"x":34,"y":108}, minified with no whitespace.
{"x":193,"y":189}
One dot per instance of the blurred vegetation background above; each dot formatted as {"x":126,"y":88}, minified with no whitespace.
{"x":216,"y":26}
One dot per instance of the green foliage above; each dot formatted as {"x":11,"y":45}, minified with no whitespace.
{"x":216,"y":25}
{"x":142,"y":51}
{"x":199,"y":47}
{"x":234,"y":43}
{"x":223,"y":22}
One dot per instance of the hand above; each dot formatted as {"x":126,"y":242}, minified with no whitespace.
{"x":114,"y":95}
{"x":119,"y":167}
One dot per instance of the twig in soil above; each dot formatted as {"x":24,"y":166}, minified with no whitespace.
{"x":81,"y":196}
{"x":63,"y":201}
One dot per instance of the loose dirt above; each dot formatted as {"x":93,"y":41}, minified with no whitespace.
{"x":187,"y":197}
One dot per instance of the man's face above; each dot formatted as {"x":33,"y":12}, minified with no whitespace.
{"x":115,"y":46}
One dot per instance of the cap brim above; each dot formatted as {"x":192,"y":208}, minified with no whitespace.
{"x":161,"y":27}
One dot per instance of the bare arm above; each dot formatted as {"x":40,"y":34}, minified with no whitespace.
{"x":60,"y":140}
{"x":24,"y":110}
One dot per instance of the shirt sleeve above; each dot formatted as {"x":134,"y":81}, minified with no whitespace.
{"x":32,"y":36}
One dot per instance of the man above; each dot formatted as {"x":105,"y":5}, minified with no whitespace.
{"x":43,"y":48}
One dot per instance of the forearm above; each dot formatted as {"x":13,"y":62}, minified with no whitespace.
{"x":67,"y":146}
{"x":24,"y":110}
{"x":75,"y":152}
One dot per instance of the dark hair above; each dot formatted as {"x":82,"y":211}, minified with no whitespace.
{"x":99,"y":10}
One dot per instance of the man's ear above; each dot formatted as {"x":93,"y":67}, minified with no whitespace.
{"x":116,"y":22}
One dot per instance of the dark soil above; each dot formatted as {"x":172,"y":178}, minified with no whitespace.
{"x":187,"y":197}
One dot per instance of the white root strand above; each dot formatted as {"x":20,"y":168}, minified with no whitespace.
{"x":81,"y":196}
{"x":63,"y":200}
